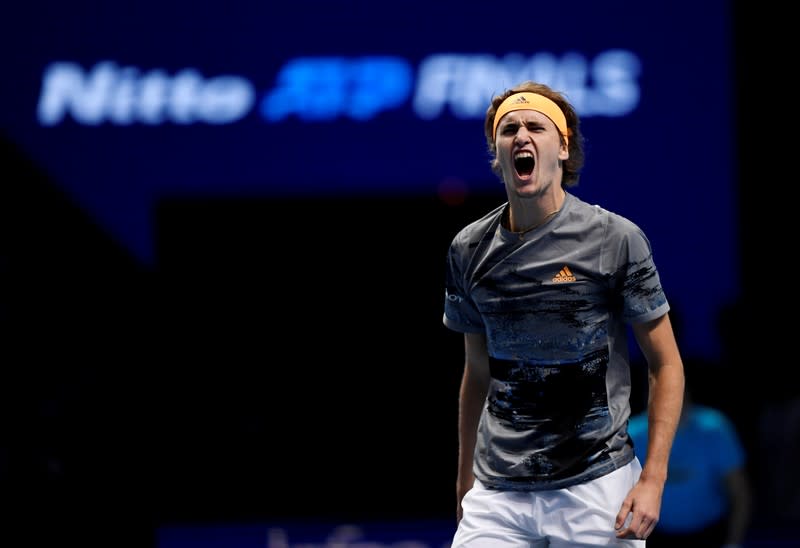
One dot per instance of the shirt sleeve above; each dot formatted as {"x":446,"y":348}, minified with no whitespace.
{"x":460,"y":312}
{"x":643,"y":297}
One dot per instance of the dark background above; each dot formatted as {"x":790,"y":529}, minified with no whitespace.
{"x":134,"y":397}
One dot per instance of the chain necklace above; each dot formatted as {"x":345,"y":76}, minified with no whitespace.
{"x":521,"y":233}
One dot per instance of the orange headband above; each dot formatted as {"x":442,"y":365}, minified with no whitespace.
{"x":532,"y":101}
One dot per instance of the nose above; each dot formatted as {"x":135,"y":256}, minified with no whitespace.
{"x":522,"y":136}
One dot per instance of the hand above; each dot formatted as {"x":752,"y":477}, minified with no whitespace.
{"x":640,"y":511}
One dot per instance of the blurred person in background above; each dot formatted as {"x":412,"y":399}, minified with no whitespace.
{"x":707,"y":498}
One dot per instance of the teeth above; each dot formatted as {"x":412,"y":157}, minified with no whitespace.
{"x":523,"y":154}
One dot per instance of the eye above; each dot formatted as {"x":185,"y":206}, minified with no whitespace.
{"x":534,"y":127}
{"x":509,"y":129}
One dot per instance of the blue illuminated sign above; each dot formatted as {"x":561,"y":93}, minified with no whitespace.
{"x":126,"y":112}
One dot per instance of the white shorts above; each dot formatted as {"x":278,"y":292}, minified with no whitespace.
{"x":581,"y":515}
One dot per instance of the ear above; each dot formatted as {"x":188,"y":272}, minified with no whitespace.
{"x":563,"y":151}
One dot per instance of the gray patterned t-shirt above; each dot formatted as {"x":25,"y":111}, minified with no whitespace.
{"x":554,"y":304}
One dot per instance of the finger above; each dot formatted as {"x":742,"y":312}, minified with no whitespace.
{"x":634,"y":528}
{"x":623,"y":514}
{"x":626,"y":533}
{"x":648,"y":528}
{"x":637,"y":529}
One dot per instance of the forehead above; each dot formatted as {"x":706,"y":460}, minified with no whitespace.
{"x":524,"y":116}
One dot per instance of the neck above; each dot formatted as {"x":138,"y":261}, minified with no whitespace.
{"x":526,"y":217}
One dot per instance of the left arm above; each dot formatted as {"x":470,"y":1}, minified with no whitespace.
{"x":665,"y":374}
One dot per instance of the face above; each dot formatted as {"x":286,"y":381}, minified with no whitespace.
{"x":530,"y":152}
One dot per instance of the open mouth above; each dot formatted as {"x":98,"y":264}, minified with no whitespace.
{"x":524,"y":162}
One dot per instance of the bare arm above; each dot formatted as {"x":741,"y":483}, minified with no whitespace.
{"x":666,"y":380}
{"x":472,"y":396}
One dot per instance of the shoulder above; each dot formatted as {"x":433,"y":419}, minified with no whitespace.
{"x":582,"y":211}
{"x":612,"y":228}
{"x":477,"y":229}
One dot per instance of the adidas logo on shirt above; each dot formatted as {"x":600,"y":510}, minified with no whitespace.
{"x":564,"y":275}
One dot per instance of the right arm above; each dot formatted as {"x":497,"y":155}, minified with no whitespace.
{"x":472,"y":396}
